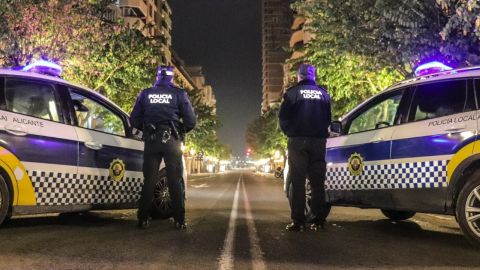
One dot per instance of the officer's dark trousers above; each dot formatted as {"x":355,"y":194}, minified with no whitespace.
{"x":154,"y":152}
{"x":306,"y":158}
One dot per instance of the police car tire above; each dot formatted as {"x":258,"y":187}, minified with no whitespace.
{"x":474,"y":183}
{"x":398,"y":215}
{"x":156,"y":212}
{"x":5,"y":200}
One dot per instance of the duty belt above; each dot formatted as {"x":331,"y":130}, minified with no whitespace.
{"x":154,"y":133}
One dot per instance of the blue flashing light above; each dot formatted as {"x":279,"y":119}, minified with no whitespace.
{"x":44,"y":67}
{"x":431,"y":68}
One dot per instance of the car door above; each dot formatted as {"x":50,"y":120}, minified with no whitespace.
{"x":359,"y":161}
{"x":109,"y":161}
{"x":441,"y":120}
{"x":34,"y":127}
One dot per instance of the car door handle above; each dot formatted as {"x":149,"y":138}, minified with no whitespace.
{"x":94,"y":145}
{"x":456,"y":129}
{"x":16,"y":130}
{"x":376,"y":140}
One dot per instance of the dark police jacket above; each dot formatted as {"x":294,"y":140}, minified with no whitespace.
{"x":161,"y":104}
{"x":305,"y":111}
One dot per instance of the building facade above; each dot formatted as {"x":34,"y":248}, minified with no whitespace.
{"x":299,"y":38}
{"x":208,"y":97}
{"x":155,"y":13}
{"x":277,"y":18}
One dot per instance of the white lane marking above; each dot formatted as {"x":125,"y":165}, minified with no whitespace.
{"x":256,"y":252}
{"x":201,"y":178}
{"x":200,"y":186}
{"x":226,"y":259}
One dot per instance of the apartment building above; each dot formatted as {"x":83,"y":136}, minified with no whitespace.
{"x":156,"y":13}
{"x":298,"y":40}
{"x":208,"y":96}
{"x":277,"y":18}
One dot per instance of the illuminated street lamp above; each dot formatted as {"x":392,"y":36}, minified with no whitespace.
{"x":277,"y":154}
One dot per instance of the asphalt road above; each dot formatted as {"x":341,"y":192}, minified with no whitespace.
{"x":237,"y":221}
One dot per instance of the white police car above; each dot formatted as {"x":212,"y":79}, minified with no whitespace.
{"x":64,"y":148}
{"x":412,"y":148}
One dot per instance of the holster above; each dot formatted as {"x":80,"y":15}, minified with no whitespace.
{"x":158,"y":133}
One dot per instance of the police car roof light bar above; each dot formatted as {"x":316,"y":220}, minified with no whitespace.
{"x":431,"y":68}
{"x":44,"y":67}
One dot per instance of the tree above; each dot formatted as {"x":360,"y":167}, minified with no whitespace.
{"x":398,"y":34}
{"x":104,"y":55}
{"x":35,"y":29}
{"x":120,"y":69}
{"x":361,"y":47}
{"x":264,"y":135}
{"x":204,"y":137}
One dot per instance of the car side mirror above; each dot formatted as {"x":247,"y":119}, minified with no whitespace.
{"x":78,"y":106}
{"x":336,"y":127}
{"x":382,"y":125}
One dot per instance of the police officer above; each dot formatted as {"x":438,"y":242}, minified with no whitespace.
{"x":164,"y":113}
{"x":305,"y":115}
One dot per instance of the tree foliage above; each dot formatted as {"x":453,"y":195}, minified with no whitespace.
{"x":104,"y":55}
{"x":204,"y":136}
{"x":361,"y":47}
{"x":264,"y":135}
{"x":396,"y":33}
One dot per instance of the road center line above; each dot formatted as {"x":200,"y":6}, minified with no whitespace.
{"x":226,"y":259}
{"x":256,"y":252}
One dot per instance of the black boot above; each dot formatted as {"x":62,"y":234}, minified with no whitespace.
{"x":143,"y":224}
{"x":180,"y":225}
{"x":295,"y":227}
{"x":317,"y":225}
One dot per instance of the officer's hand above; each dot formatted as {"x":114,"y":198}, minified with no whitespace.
{"x":137,"y":134}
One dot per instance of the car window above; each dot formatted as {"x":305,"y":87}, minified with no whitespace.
{"x":439,"y":99}
{"x":379,"y":114}
{"x":93,"y":115}
{"x":32,"y":99}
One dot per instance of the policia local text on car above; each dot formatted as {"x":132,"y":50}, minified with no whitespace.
{"x":164,"y":114}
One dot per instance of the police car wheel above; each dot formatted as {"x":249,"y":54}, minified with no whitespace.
{"x":4,"y":200}
{"x":162,"y":203}
{"x":468,"y":210}
{"x":398,"y":215}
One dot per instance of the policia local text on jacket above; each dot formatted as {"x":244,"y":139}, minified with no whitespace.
{"x":305,"y":116}
{"x":163,"y":112}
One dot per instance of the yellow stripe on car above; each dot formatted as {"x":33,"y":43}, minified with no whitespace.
{"x":23,"y":191}
{"x":464,"y":153}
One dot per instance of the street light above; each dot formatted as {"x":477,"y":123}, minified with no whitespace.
{"x":277,"y":154}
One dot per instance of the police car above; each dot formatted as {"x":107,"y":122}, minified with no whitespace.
{"x":65,"y":148}
{"x":412,"y":148}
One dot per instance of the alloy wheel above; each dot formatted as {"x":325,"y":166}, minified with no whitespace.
{"x":161,"y":199}
{"x":472,"y":210}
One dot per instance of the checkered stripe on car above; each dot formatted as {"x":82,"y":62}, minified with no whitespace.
{"x":425,"y":174}
{"x":54,"y":188}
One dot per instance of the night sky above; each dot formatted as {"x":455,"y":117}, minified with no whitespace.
{"x":224,"y":36}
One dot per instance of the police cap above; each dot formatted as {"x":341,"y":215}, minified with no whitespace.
{"x":165,"y":71}
{"x":306,"y":71}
